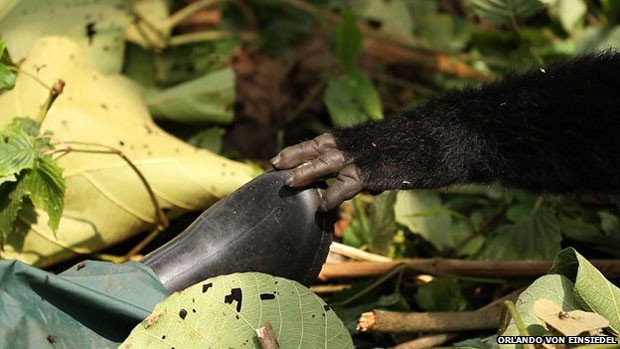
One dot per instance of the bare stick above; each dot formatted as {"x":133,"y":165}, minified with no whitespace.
{"x":484,"y":318}
{"x":267,"y":337}
{"x":494,"y":269}
{"x":355,"y":253}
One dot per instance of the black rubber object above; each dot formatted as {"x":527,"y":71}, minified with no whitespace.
{"x":263,"y":226}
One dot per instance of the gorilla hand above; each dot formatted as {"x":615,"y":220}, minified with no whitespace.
{"x":317,"y":159}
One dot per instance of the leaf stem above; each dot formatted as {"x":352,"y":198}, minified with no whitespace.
{"x":208,"y":35}
{"x":162,"y":220}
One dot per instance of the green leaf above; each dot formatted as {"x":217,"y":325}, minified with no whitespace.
{"x":422,"y":212}
{"x":11,"y":198}
{"x":610,"y":223}
{"x":210,"y":139}
{"x":443,"y":294}
{"x":592,"y":290}
{"x":503,"y":12}
{"x":17,"y":150}
{"x":556,"y":288}
{"x":226,"y":311}
{"x":208,"y":98}
{"x":382,"y":223}
{"x":394,"y":16}
{"x":46,"y":188}
{"x":352,"y":99}
{"x":533,"y":236}
{"x":7,"y":75}
{"x":349,"y":41}
{"x":569,"y":12}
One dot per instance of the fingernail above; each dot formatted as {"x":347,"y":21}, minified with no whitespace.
{"x":275,"y":160}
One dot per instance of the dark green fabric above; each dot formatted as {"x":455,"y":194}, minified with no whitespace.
{"x":91,"y":305}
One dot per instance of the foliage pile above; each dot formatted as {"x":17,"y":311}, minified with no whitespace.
{"x":87,"y":168}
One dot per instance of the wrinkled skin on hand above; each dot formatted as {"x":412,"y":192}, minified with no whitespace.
{"x":317,"y":159}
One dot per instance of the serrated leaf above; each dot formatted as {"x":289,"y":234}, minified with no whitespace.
{"x":11,"y":198}
{"x":16,"y":150}
{"x":208,"y":98}
{"x":226,"y":311}
{"x":533,"y":236}
{"x":7,"y":77}
{"x":46,"y":188}
{"x":98,"y":26}
{"x":503,"y":12}
{"x":105,"y":201}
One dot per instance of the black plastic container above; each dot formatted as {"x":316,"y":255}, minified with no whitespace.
{"x":263,"y":226}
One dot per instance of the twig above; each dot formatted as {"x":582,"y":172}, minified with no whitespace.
{"x":484,"y":318}
{"x":210,"y":35}
{"x":357,"y":254}
{"x":55,"y":91}
{"x":267,"y":337}
{"x":329,"y":288}
{"x":494,"y":269}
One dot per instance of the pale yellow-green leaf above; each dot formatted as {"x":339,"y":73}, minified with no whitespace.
{"x":226,"y":311}
{"x":98,"y":26}
{"x":150,"y":30}
{"x":105,"y":201}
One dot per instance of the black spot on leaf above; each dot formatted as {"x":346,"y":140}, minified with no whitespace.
{"x":183,"y":314}
{"x":235,"y":296}
{"x":265,"y":296}
{"x":90,"y":32}
{"x":327,"y":308}
{"x":206,"y":287}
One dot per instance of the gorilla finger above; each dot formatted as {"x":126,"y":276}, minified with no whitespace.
{"x":347,"y":185}
{"x":325,"y":165}
{"x":295,"y":155}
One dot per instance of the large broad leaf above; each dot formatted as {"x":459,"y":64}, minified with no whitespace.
{"x":98,"y":26}
{"x":226,"y":311}
{"x":105,"y":200}
{"x":502,"y":12}
{"x":592,"y":290}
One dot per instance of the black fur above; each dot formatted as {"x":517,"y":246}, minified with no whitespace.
{"x":555,"y":130}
